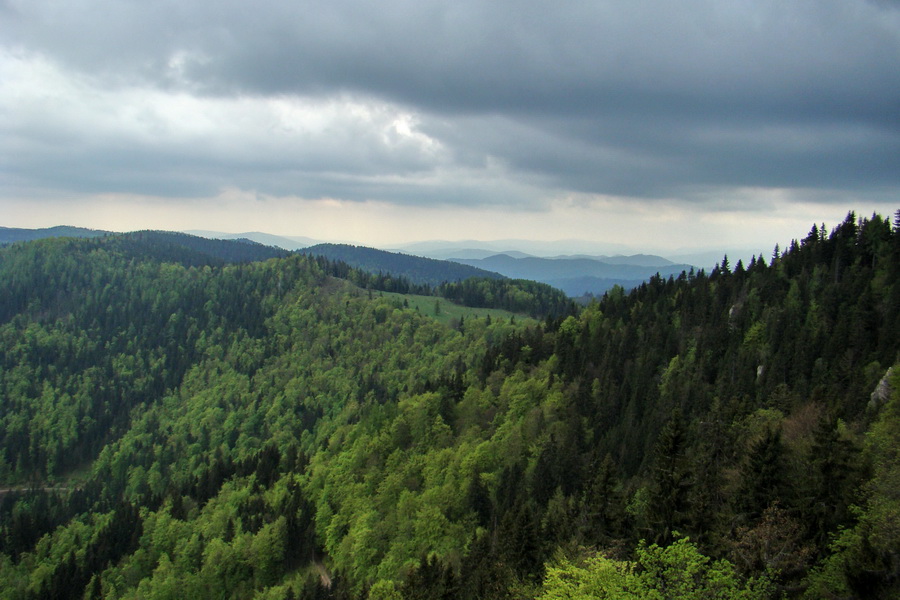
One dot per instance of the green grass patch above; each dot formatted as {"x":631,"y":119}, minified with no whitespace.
{"x":447,"y":312}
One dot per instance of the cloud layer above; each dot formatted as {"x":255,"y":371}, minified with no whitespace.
{"x":467,"y":103}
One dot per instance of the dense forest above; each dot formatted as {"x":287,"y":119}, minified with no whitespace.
{"x":416,"y":269}
{"x":9,"y":235}
{"x":176,"y":425}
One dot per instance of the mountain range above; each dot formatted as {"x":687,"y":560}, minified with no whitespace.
{"x":583,"y":274}
{"x":267,"y":239}
{"x":419,"y":270}
{"x":11,"y":235}
{"x":580,"y":275}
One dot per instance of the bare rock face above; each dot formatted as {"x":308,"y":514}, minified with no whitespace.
{"x":882,"y":391}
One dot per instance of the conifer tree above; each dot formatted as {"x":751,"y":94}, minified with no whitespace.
{"x":763,"y":476}
{"x":670,"y":480}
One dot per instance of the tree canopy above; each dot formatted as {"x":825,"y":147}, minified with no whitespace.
{"x":178,"y":425}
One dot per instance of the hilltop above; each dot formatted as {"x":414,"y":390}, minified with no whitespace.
{"x":417,"y":269}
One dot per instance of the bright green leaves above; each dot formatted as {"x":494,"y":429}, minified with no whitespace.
{"x":677,"y":572}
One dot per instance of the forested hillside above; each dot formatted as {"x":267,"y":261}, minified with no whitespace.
{"x":370,"y":269}
{"x":170,"y":429}
{"x":9,"y":235}
{"x":417,"y":269}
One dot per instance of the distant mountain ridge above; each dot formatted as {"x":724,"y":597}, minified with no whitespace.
{"x":287,"y":242}
{"x":11,"y":235}
{"x":705,"y":258}
{"x":192,"y":250}
{"x":442,"y":249}
{"x":638,"y":260}
{"x":577,"y":276}
{"x":416,"y":269}
{"x":426,"y":263}
{"x":446,"y":249}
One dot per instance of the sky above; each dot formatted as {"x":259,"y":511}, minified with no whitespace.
{"x":653,"y":125}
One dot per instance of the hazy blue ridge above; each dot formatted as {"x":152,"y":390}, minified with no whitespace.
{"x":267,"y":239}
{"x":577,"y":276}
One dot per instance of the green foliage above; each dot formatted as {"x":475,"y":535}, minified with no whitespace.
{"x":514,"y":295}
{"x":384,"y":589}
{"x":415,"y":270}
{"x":865,"y":559}
{"x":272,"y":430}
{"x":677,"y":572}
{"x":463,"y":285}
{"x":447,"y":312}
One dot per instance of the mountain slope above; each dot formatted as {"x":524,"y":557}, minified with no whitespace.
{"x":9,"y":235}
{"x":577,"y":276}
{"x":241,"y":430}
{"x":191,"y":250}
{"x":417,"y":269}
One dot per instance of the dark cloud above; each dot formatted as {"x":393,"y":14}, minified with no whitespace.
{"x":637,"y":99}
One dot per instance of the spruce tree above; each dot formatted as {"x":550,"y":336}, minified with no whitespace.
{"x":671,"y":480}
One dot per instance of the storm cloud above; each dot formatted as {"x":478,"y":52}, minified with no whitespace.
{"x":464,"y":103}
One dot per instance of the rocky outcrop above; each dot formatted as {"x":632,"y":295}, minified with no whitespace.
{"x":882,"y":391}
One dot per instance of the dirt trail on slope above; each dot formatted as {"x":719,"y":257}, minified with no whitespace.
{"x":323,"y":574}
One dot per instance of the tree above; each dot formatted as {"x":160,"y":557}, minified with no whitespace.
{"x":602,"y":503}
{"x":832,"y":481}
{"x":774,"y":546}
{"x":519,"y":539}
{"x":384,"y":589}
{"x":676,"y":572}
{"x":763,"y":479}
{"x":865,"y":559}
{"x":671,"y":480}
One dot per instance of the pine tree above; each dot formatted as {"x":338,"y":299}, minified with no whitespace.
{"x":671,"y":480}
{"x":763,"y":479}
{"x":602,"y":504}
{"x":833,"y":476}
